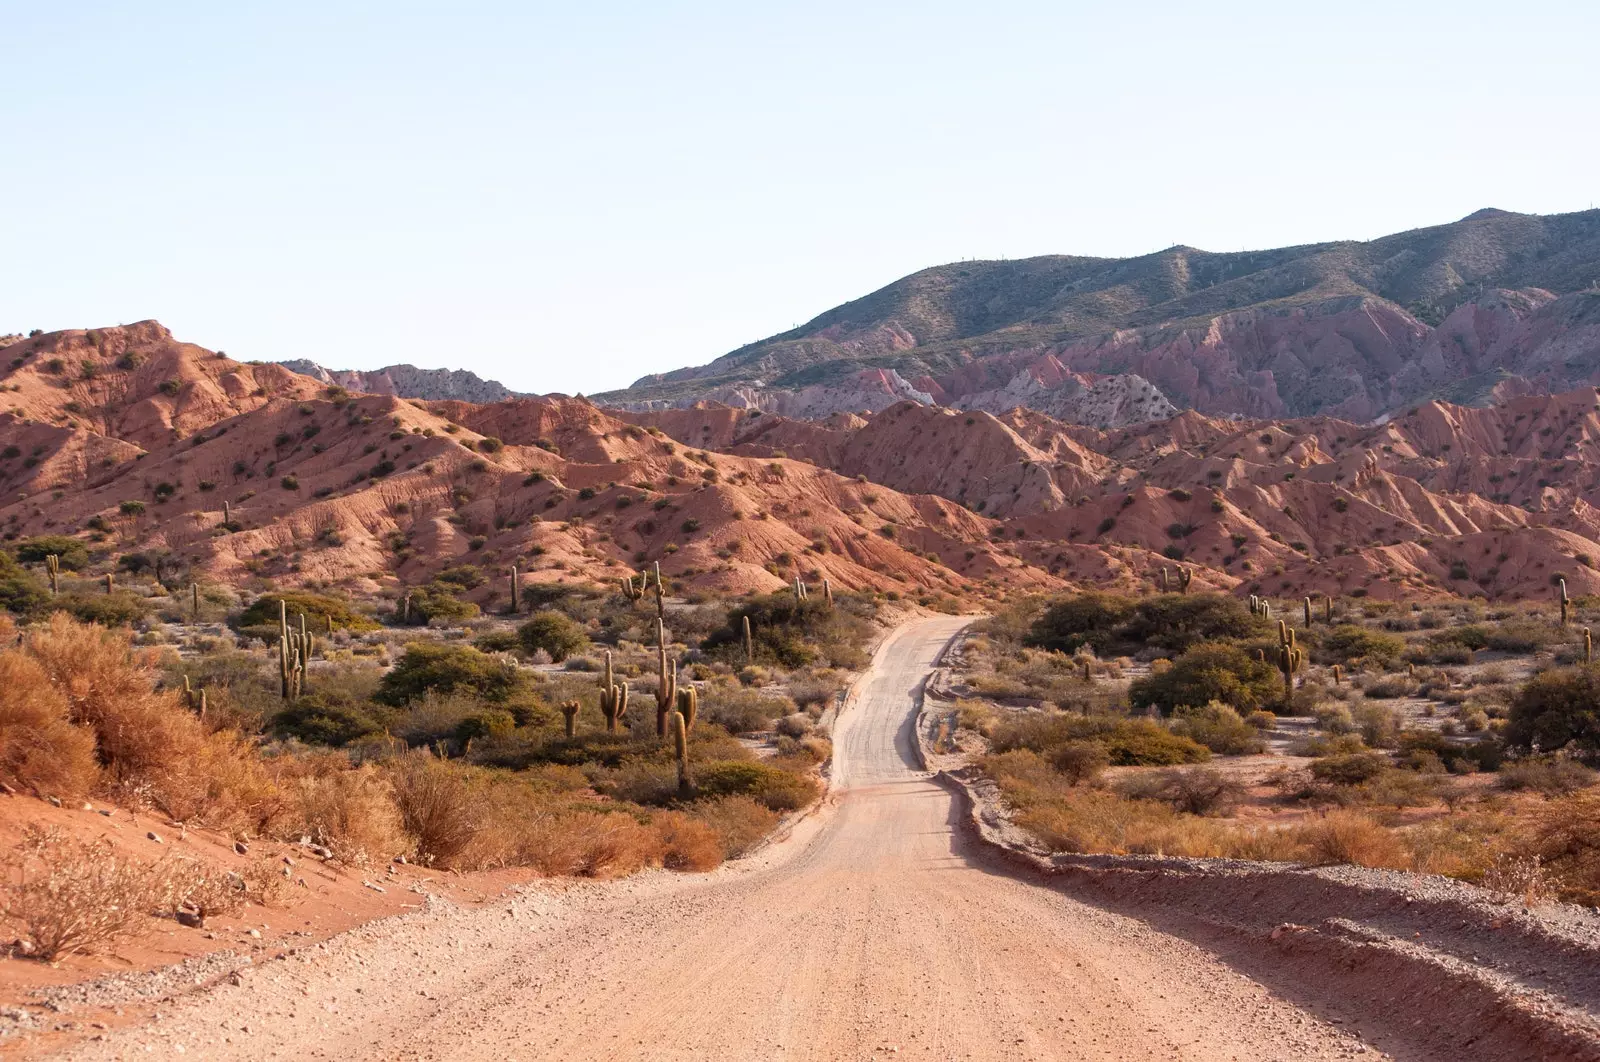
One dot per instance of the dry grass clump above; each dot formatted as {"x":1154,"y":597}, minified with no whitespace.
{"x":153,"y":751}
{"x":740,"y":823}
{"x":1343,"y":836}
{"x":350,"y":811}
{"x":40,"y":749}
{"x":436,"y":806}
{"x":71,"y":896}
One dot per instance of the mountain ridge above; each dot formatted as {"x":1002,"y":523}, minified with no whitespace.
{"x":1314,"y":328}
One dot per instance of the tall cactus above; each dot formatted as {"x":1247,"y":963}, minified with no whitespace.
{"x":680,"y":744}
{"x":689,"y":705}
{"x":1164,"y":587}
{"x":1289,"y":659}
{"x":294,"y":653}
{"x":1588,"y":647}
{"x":666,"y":681}
{"x":661,"y":594}
{"x":1307,"y":605}
{"x":194,"y":600}
{"x":827,"y":593}
{"x":633,"y":591}
{"x":516,"y":590}
{"x":749,"y":643}
{"x":52,"y":564}
{"x":1336,"y":674}
{"x":1566,"y":605}
{"x":1185,"y":576}
{"x":1088,"y":676}
{"x":110,"y":583}
{"x":227,"y":513}
{"x":1327,"y":609}
{"x":570,"y":711}
{"x":799,"y":589}
{"x":613,"y":698}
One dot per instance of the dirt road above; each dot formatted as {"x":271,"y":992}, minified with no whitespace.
{"x":872,"y":932}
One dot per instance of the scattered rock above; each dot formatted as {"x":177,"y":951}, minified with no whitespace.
{"x":156,"y":837}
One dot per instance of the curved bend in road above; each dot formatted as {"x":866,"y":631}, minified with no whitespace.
{"x":869,"y":934}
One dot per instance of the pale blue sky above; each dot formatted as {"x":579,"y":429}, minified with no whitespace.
{"x":565,"y":197}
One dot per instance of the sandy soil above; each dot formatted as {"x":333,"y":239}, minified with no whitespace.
{"x":879,"y":927}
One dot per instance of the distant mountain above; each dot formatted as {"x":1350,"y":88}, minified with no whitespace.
{"x":408,"y":381}
{"x":1349,"y":329}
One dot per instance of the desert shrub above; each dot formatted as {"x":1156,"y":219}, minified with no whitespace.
{"x":1402,"y":789}
{"x":499,"y":642}
{"x":320,"y":718}
{"x":120,"y":609}
{"x":21,"y":592}
{"x":73,"y":554}
{"x":1390,"y":687}
{"x":438,"y":808}
{"x":1080,"y":762}
{"x":1350,"y":837}
{"x":72,"y":896}
{"x":1349,"y":769}
{"x":39,"y":747}
{"x":434,"y":602}
{"x":1193,"y":790}
{"x":1178,"y":622}
{"x":687,"y":841}
{"x":796,"y":633}
{"x":1524,"y":636}
{"x":1219,"y":728}
{"x":1127,"y":742}
{"x":774,"y":788}
{"x":1564,"y":835}
{"x":1555,"y":711}
{"x":1350,"y":642}
{"x":1209,"y":671}
{"x":742,"y":711}
{"x":317,"y":609}
{"x":1416,"y":746}
{"x":440,"y":668}
{"x":1550,"y":777}
{"x":1086,"y":619}
{"x":740,"y":822}
{"x":351,"y":812}
{"x":150,"y":746}
{"x":1262,"y":720}
{"x":554,"y":633}
{"x":1378,"y":724}
{"x":466,"y":576}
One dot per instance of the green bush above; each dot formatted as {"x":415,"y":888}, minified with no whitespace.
{"x":1219,"y":728}
{"x":554,"y":633}
{"x":796,"y":633}
{"x":1210,"y":671}
{"x":1086,"y":619}
{"x":439,"y":668}
{"x":1178,"y":621}
{"x":497,"y":642}
{"x":322,"y":719}
{"x":21,"y":591}
{"x":435,"y":601}
{"x":120,"y":609}
{"x":1110,"y":623}
{"x":1557,"y":711}
{"x":1350,"y":642}
{"x":1127,"y":742}
{"x":1351,"y":769}
{"x":74,"y":554}
{"x":773,"y":787}
{"x":485,"y":724}
{"x":317,"y":608}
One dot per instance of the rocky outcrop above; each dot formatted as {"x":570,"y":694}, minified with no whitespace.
{"x":408,"y":381}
